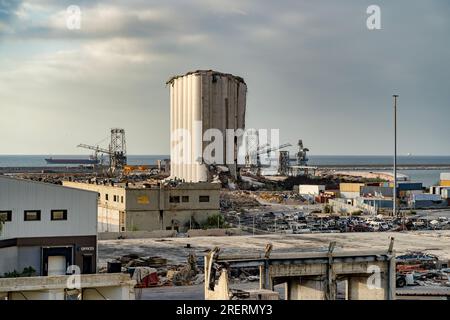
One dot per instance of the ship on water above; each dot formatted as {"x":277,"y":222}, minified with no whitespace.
{"x":90,"y":161}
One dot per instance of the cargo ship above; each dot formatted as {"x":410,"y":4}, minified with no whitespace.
{"x":90,"y":161}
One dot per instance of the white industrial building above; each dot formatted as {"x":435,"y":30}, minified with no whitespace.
{"x":47,"y":227}
{"x":202,"y":100}
{"x":311,"y":190}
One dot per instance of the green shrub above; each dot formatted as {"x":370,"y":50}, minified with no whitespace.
{"x":356,"y":213}
{"x":26,"y":272}
{"x":215,"y":221}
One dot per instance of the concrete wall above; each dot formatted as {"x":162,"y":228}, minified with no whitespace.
{"x":108,"y":220}
{"x":137,"y":234}
{"x":18,"y":258}
{"x":214,"y":232}
{"x":218,"y":101}
{"x":20,"y":195}
{"x":29,"y":256}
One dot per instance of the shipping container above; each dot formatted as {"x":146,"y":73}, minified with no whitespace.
{"x":408,"y":186}
{"x":445,"y":183}
{"x":351,"y":187}
{"x":374,"y":191}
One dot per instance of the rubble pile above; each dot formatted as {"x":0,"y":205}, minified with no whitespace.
{"x":421,"y":269}
{"x":236,"y":200}
{"x":154,"y":271}
{"x":281,"y":197}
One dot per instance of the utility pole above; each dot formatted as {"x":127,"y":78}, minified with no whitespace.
{"x":395,"y":156}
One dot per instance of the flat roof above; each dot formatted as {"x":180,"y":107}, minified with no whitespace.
{"x":45,"y":184}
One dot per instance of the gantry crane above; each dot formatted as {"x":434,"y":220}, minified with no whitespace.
{"x":265,"y":149}
{"x":116,"y":152}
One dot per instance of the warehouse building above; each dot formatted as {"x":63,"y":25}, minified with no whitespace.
{"x":424,"y":201}
{"x":47,"y":227}
{"x":143,"y":207}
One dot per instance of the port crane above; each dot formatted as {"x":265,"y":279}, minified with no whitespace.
{"x":302,"y":159}
{"x":264,"y":149}
{"x":116,"y":151}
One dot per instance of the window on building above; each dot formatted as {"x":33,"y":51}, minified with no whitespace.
{"x":121,"y":199}
{"x":5,"y":215}
{"x":106,"y":197}
{"x":32,"y":215}
{"x":185,"y":198}
{"x":114,"y":198}
{"x":117,"y":197}
{"x":59,"y":215}
{"x":174,"y":199}
{"x":203,"y":199}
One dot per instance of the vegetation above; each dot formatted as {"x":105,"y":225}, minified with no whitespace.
{"x":192,"y":224}
{"x":26,"y":272}
{"x":357,"y":213}
{"x":215,"y":221}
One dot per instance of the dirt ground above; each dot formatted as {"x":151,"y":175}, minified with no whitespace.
{"x":176,"y":250}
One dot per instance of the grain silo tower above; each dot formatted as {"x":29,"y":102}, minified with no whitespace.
{"x":202,"y":100}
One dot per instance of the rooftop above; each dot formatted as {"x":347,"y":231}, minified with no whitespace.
{"x":212,"y":72}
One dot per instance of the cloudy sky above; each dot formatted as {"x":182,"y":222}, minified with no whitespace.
{"x":313,"y":70}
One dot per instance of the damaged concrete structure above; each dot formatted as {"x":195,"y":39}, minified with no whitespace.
{"x":126,"y":207}
{"x":368,"y":275}
{"x":202,"y":100}
{"x":115,"y":286}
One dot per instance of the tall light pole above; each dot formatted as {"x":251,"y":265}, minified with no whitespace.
{"x":395,"y":156}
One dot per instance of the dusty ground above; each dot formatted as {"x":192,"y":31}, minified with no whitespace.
{"x":174,"y":249}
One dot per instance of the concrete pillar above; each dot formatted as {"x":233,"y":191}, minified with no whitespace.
{"x":305,"y":288}
{"x":358,"y":289}
{"x":265,"y":280}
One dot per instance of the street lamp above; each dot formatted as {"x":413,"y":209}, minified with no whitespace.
{"x":395,"y":96}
